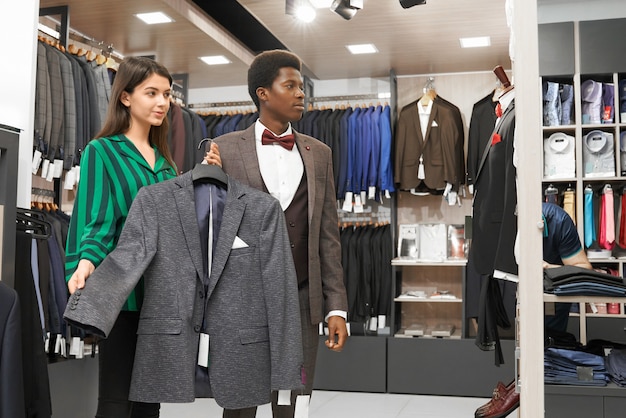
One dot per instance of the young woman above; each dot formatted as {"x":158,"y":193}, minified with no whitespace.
{"x":128,"y":153}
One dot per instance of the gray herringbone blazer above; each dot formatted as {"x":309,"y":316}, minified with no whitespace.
{"x":252,"y":313}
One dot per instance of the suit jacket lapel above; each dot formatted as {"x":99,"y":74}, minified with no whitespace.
{"x":503,"y":122}
{"x":234,"y":210}
{"x":187,"y":212}
{"x":417,"y":124}
{"x":247,"y":149}
{"x":308,"y":159}
{"x":431,"y":118}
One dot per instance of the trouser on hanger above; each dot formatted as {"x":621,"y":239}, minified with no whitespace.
{"x":115,"y":360}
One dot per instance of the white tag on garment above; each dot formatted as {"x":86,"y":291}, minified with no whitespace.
{"x":347,"y":202}
{"x":76,"y":169}
{"x":284,"y":397}
{"x":74,"y":346}
{"x":88,"y":348}
{"x":64,"y":350}
{"x":382,"y":320}
{"x":387,"y":194}
{"x":320,"y":330}
{"x":44,"y":168}
{"x":203,"y":350}
{"x":70,"y":180}
{"x":358,"y":206}
{"x":373,"y":323}
{"x":420,"y":170}
{"x":348,"y":328}
{"x":58,"y":169}
{"x":46,"y":343}
{"x":36,"y":161}
{"x":371,"y":193}
{"x":50,"y":172}
{"x":302,"y":406}
{"x":58,"y":344}
{"x":363,"y":197}
{"x":81,"y":349}
{"x":451,"y":198}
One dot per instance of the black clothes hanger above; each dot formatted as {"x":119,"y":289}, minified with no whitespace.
{"x":207,"y":172}
{"x":33,"y":223}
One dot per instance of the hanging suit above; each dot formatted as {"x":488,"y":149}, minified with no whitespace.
{"x":252,"y":314}
{"x":440,"y":148}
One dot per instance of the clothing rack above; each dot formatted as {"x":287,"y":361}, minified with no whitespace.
{"x":353,"y":97}
{"x":66,"y":33}
{"x":220,"y":104}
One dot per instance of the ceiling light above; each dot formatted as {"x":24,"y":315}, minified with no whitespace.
{"x":346,"y":8}
{"x":215,"y":60}
{"x":301,"y":9}
{"x":477,"y":42}
{"x":155,"y":17}
{"x":362,"y":49}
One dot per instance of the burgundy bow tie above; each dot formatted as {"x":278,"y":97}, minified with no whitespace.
{"x":286,"y":141}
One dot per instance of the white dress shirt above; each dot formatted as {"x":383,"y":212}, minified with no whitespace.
{"x":281,"y":169}
{"x":559,"y":156}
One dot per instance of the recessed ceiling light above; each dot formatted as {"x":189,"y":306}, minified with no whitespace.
{"x":215,"y":60}
{"x":362,"y":49}
{"x":155,"y":17}
{"x":321,"y":4}
{"x":476,"y":42}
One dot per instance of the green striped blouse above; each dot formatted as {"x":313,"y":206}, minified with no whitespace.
{"x":112,"y":171}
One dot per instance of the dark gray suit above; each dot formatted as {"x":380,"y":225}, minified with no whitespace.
{"x":252,"y":312}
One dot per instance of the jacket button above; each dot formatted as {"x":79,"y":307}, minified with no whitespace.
{"x":293,"y":245}
{"x":196,"y":328}
{"x":292,"y":224}
{"x":201,"y":294}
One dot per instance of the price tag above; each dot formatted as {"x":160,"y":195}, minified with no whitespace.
{"x":203,"y":350}
{"x":347,"y":202}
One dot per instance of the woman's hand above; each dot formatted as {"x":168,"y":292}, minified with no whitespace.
{"x":213,"y":156}
{"x":83,"y":271}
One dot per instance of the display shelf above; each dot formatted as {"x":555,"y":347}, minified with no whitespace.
{"x":582,"y":314}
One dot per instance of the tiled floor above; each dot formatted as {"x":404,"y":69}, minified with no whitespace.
{"x":327,"y":404}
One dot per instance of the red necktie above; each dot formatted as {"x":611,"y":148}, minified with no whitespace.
{"x":499,"y":110}
{"x":622,"y":223}
{"x":607,"y":225}
{"x":286,"y":141}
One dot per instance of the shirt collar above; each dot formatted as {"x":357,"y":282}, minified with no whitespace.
{"x":259,"y":128}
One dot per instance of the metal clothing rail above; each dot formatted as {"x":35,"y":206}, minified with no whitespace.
{"x":66,"y":32}
{"x":345,"y":98}
{"x":220,"y":104}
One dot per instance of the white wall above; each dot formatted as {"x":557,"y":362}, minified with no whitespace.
{"x":551,"y":11}
{"x":17,"y":101}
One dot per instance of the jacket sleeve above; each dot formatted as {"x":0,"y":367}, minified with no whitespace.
{"x":97,"y":305}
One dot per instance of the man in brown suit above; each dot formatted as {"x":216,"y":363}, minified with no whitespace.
{"x":297,"y":170}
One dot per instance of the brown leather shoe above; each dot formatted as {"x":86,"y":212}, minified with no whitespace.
{"x":499,"y":391}
{"x":501,"y":407}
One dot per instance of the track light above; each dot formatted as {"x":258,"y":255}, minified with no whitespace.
{"x":302,"y":9}
{"x":410,"y":3}
{"x":346,"y":8}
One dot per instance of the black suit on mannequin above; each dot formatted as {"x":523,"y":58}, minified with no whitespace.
{"x":494,"y":229}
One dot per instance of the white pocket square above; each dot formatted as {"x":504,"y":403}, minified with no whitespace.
{"x":239,"y":243}
{"x":434,"y":123}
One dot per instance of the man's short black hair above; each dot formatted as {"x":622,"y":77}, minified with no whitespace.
{"x":265,"y":67}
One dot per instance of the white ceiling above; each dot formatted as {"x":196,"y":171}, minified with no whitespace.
{"x":420,"y":40}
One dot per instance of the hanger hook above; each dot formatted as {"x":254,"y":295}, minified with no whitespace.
{"x":203,"y":141}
